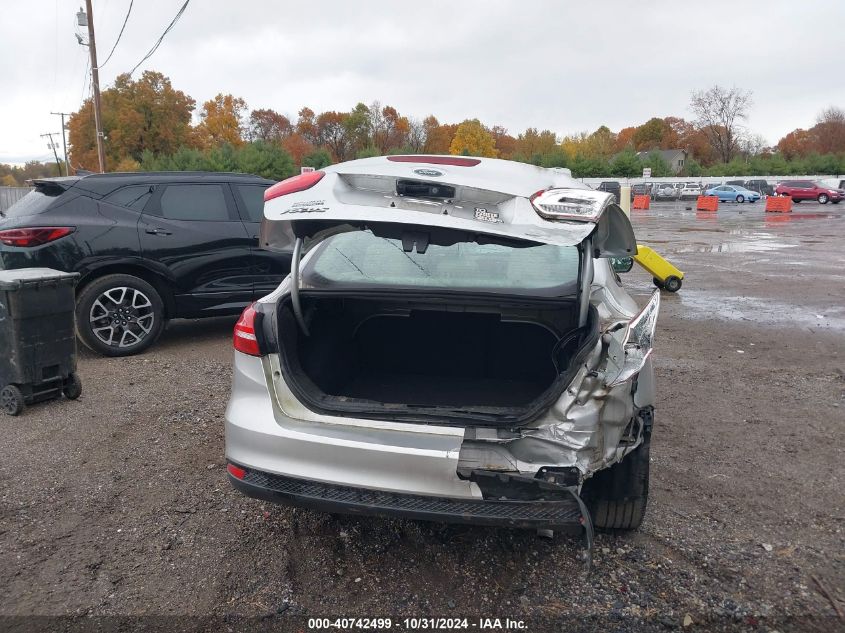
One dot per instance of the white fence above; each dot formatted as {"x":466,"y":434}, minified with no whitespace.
{"x":10,"y":195}
{"x":705,"y":180}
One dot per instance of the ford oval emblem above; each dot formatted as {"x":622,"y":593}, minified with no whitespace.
{"x":433,"y":173}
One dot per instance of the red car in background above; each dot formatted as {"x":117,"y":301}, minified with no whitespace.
{"x":800,"y":190}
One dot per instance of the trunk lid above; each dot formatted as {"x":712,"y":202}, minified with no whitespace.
{"x":444,"y":200}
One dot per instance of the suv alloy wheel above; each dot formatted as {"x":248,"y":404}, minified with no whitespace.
{"x":119,"y":315}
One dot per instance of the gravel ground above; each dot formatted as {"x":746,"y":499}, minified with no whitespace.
{"x":117,"y":504}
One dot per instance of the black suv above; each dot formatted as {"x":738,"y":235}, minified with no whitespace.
{"x":149,"y":247}
{"x":760,"y":186}
{"x":611,"y":186}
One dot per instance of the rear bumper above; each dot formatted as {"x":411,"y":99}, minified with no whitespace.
{"x":414,"y":459}
{"x":566,"y":514}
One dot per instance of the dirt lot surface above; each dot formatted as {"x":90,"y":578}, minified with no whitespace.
{"x":117,"y":504}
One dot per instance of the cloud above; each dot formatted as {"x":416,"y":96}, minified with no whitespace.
{"x":548,"y":64}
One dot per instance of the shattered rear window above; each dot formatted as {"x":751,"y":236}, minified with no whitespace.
{"x":363,"y":260}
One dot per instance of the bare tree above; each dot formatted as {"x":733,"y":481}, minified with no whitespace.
{"x":718,"y":112}
{"x":829,"y":131}
{"x":831,"y":114}
{"x":751,"y":145}
{"x":416,"y":134}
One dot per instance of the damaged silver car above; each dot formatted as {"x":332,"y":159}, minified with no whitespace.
{"x":452,"y":344}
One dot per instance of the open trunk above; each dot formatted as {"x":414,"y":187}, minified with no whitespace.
{"x":363,"y":354}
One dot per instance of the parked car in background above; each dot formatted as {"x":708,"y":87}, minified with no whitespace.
{"x":665,"y":191}
{"x":800,"y":190}
{"x":427,"y":357}
{"x":611,"y":186}
{"x":733,"y":193}
{"x":690,"y":191}
{"x":148,"y":246}
{"x":760,"y":186}
{"x":641,"y":189}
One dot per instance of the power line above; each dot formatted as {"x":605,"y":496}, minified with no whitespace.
{"x":158,"y":42}
{"x":85,"y":79}
{"x":125,"y":20}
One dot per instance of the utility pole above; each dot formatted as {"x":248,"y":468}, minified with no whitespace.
{"x":95,"y":81}
{"x":53,"y":146}
{"x":64,"y":141}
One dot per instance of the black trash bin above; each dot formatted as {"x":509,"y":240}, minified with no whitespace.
{"x":37,"y":338}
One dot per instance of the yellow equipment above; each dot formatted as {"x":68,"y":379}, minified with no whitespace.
{"x":666,"y":276}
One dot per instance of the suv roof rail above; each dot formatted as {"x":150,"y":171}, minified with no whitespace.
{"x":141,"y":174}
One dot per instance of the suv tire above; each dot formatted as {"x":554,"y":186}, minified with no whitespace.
{"x":823,"y":198}
{"x":119,"y":315}
{"x":617,"y":496}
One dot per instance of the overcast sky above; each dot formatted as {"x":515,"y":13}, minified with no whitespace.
{"x":565,"y":66}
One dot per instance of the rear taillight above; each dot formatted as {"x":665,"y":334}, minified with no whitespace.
{"x":245,"y":340}
{"x":292,"y":185}
{"x":34,"y":236}
{"x":570,"y":204}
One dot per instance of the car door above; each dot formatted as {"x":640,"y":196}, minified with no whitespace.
{"x":193,"y":234}
{"x":803,"y":190}
{"x":268,"y":268}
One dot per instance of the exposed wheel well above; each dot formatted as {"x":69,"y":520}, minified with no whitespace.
{"x":162,"y":286}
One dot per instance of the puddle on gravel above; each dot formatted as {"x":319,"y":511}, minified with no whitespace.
{"x":734,"y":247}
{"x":744,"y":242}
{"x":710,"y":305}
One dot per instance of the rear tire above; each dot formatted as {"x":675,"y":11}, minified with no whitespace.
{"x":119,"y":315}
{"x":11,"y":400}
{"x":617,"y":496}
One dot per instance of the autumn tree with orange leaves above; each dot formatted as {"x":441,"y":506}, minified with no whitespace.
{"x":222,"y":121}
{"x":147,"y":114}
{"x":147,"y":125}
{"x":269,"y":126}
{"x":473,"y":139}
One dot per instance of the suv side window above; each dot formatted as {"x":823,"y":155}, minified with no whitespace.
{"x":132,"y":197}
{"x":252,"y":201}
{"x":201,"y":203}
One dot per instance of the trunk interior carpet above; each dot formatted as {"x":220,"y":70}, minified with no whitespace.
{"x":426,"y":390}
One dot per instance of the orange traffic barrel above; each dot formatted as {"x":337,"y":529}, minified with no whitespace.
{"x":707,"y":203}
{"x":641,"y":202}
{"x":779,"y":204}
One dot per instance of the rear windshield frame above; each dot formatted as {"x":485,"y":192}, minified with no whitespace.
{"x":313,"y":280}
{"x":35,"y":202}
